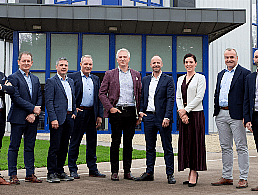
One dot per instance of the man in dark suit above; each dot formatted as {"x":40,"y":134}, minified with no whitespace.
{"x":61,"y":109}
{"x":23,"y":116}
{"x":251,"y":104}
{"x":5,"y":87}
{"x":156,"y":109}
{"x":228,"y":109}
{"x":120,"y":94}
{"x":89,"y":117}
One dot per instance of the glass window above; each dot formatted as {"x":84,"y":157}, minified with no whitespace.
{"x":36,"y":44}
{"x":134,"y":45}
{"x":94,"y":2}
{"x":64,"y":45}
{"x":161,"y":46}
{"x":98,"y":47}
{"x":127,"y":3}
{"x":41,"y":76}
{"x":189,"y":44}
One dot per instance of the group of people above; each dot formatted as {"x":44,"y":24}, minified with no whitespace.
{"x":75,"y":102}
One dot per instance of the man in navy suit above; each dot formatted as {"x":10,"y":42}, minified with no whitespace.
{"x":228,"y":109}
{"x":23,"y":116}
{"x":60,"y":104}
{"x":89,"y":117}
{"x":251,"y":104}
{"x":156,"y":109}
{"x":5,"y":87}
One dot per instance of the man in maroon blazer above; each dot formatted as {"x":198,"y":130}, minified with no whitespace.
{"x":120,"y":94}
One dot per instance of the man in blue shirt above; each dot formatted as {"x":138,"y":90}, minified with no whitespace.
{"x":60,"y":104}
{"x":89,"y":117}
{"x":228,"y":109}
{"x":23,"y":116}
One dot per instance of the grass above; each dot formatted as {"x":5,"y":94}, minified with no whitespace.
{"x":41,"y":152}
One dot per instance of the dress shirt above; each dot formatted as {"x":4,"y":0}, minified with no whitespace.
{"x":1,"y":101}
{"x":256,"y":94}
{"x":225,"y":86}
{"x":126,"y":97}
{"x":152,"y":89}
{"x":68,"y":91}
{"x":88,"y":91}
{"x":28,"y":81}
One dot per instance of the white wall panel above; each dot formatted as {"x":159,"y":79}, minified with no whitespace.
{"x":240,"y":39}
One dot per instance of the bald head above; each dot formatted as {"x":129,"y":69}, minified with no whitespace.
{"x":156,"y":64}
{"x":256,"y":57}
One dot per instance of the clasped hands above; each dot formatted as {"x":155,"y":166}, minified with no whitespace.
{"x":31,"y":117}
{"x":183,"y":116}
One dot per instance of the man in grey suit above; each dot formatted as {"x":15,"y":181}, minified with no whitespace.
{"x":61,"y":109}
{"x":228,"y":109}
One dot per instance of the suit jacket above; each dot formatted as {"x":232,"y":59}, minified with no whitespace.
{"x":5,"y":89}
{"x":195,"y":93}
{"x":109,"y":91}
{"x":77,"y":78}
{"x":22,"y":103}
{"x":56,"y":99}
{"x":249,"y":98}
{"x":235,"y":95}
{"x":163,"y":99}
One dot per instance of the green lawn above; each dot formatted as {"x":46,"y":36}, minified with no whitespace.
{"x":41,"y":150}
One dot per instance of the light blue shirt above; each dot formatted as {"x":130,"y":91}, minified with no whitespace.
{"x":88,"y":91}
{"x":28,"y":81}
{"x":225,"y":86}
{"x":68,"y":91}
{"x":126,"y":97}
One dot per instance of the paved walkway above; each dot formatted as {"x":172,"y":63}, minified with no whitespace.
{"x":88,"y":185}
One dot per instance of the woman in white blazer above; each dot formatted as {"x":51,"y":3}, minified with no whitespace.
{"x":191,"y":144}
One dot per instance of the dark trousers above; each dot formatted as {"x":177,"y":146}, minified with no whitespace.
{"x":125,"y":122}
{"x":255,"y":128}
{"x":151,"y":127}
{"x":29,"y":131}
{"x":2,"y":127}
{"x":84,"y":122}
{"x":59,"y":140}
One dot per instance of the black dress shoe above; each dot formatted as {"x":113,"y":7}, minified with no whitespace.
{"x":128,"y":176}
{"x":186,"y":182}
{"x":145,"y":177}
{"x":171,"y":179}
{"x":96,"y":174}
{"x":194,"y":184}
{"x":75,"y":175}
{"x":114,"y":177}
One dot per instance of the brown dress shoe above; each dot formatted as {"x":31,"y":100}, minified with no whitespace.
{"x":33,"y":179}
{"x":114,"y":177}
{"x":14,"y":180}
{"x":242,"y":183}
{"x":128,"y":176}
{"x":223,"y":181}
{"x":3,"y":182}
{"x":254,"y":189}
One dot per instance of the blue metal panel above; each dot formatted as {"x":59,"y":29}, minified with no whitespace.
{"x":143,"y":56}
{"x":47,"y":75}
{"x":205,"y":60}
{"x":111,"y":2}
{"x":112,"y":51}
{"x":15,"y":51}
{"x":174,"y":75}
{"x":79,"y":51}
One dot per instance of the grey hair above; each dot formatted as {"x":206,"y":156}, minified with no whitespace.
{"x":123,"y":49}
{"x":86,"y":56}
{"x":59,"y":59}
{"x":230,"y":49}
{"x":26,"y":53}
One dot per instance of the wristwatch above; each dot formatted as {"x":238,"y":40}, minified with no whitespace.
{"x":35,"y":114}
